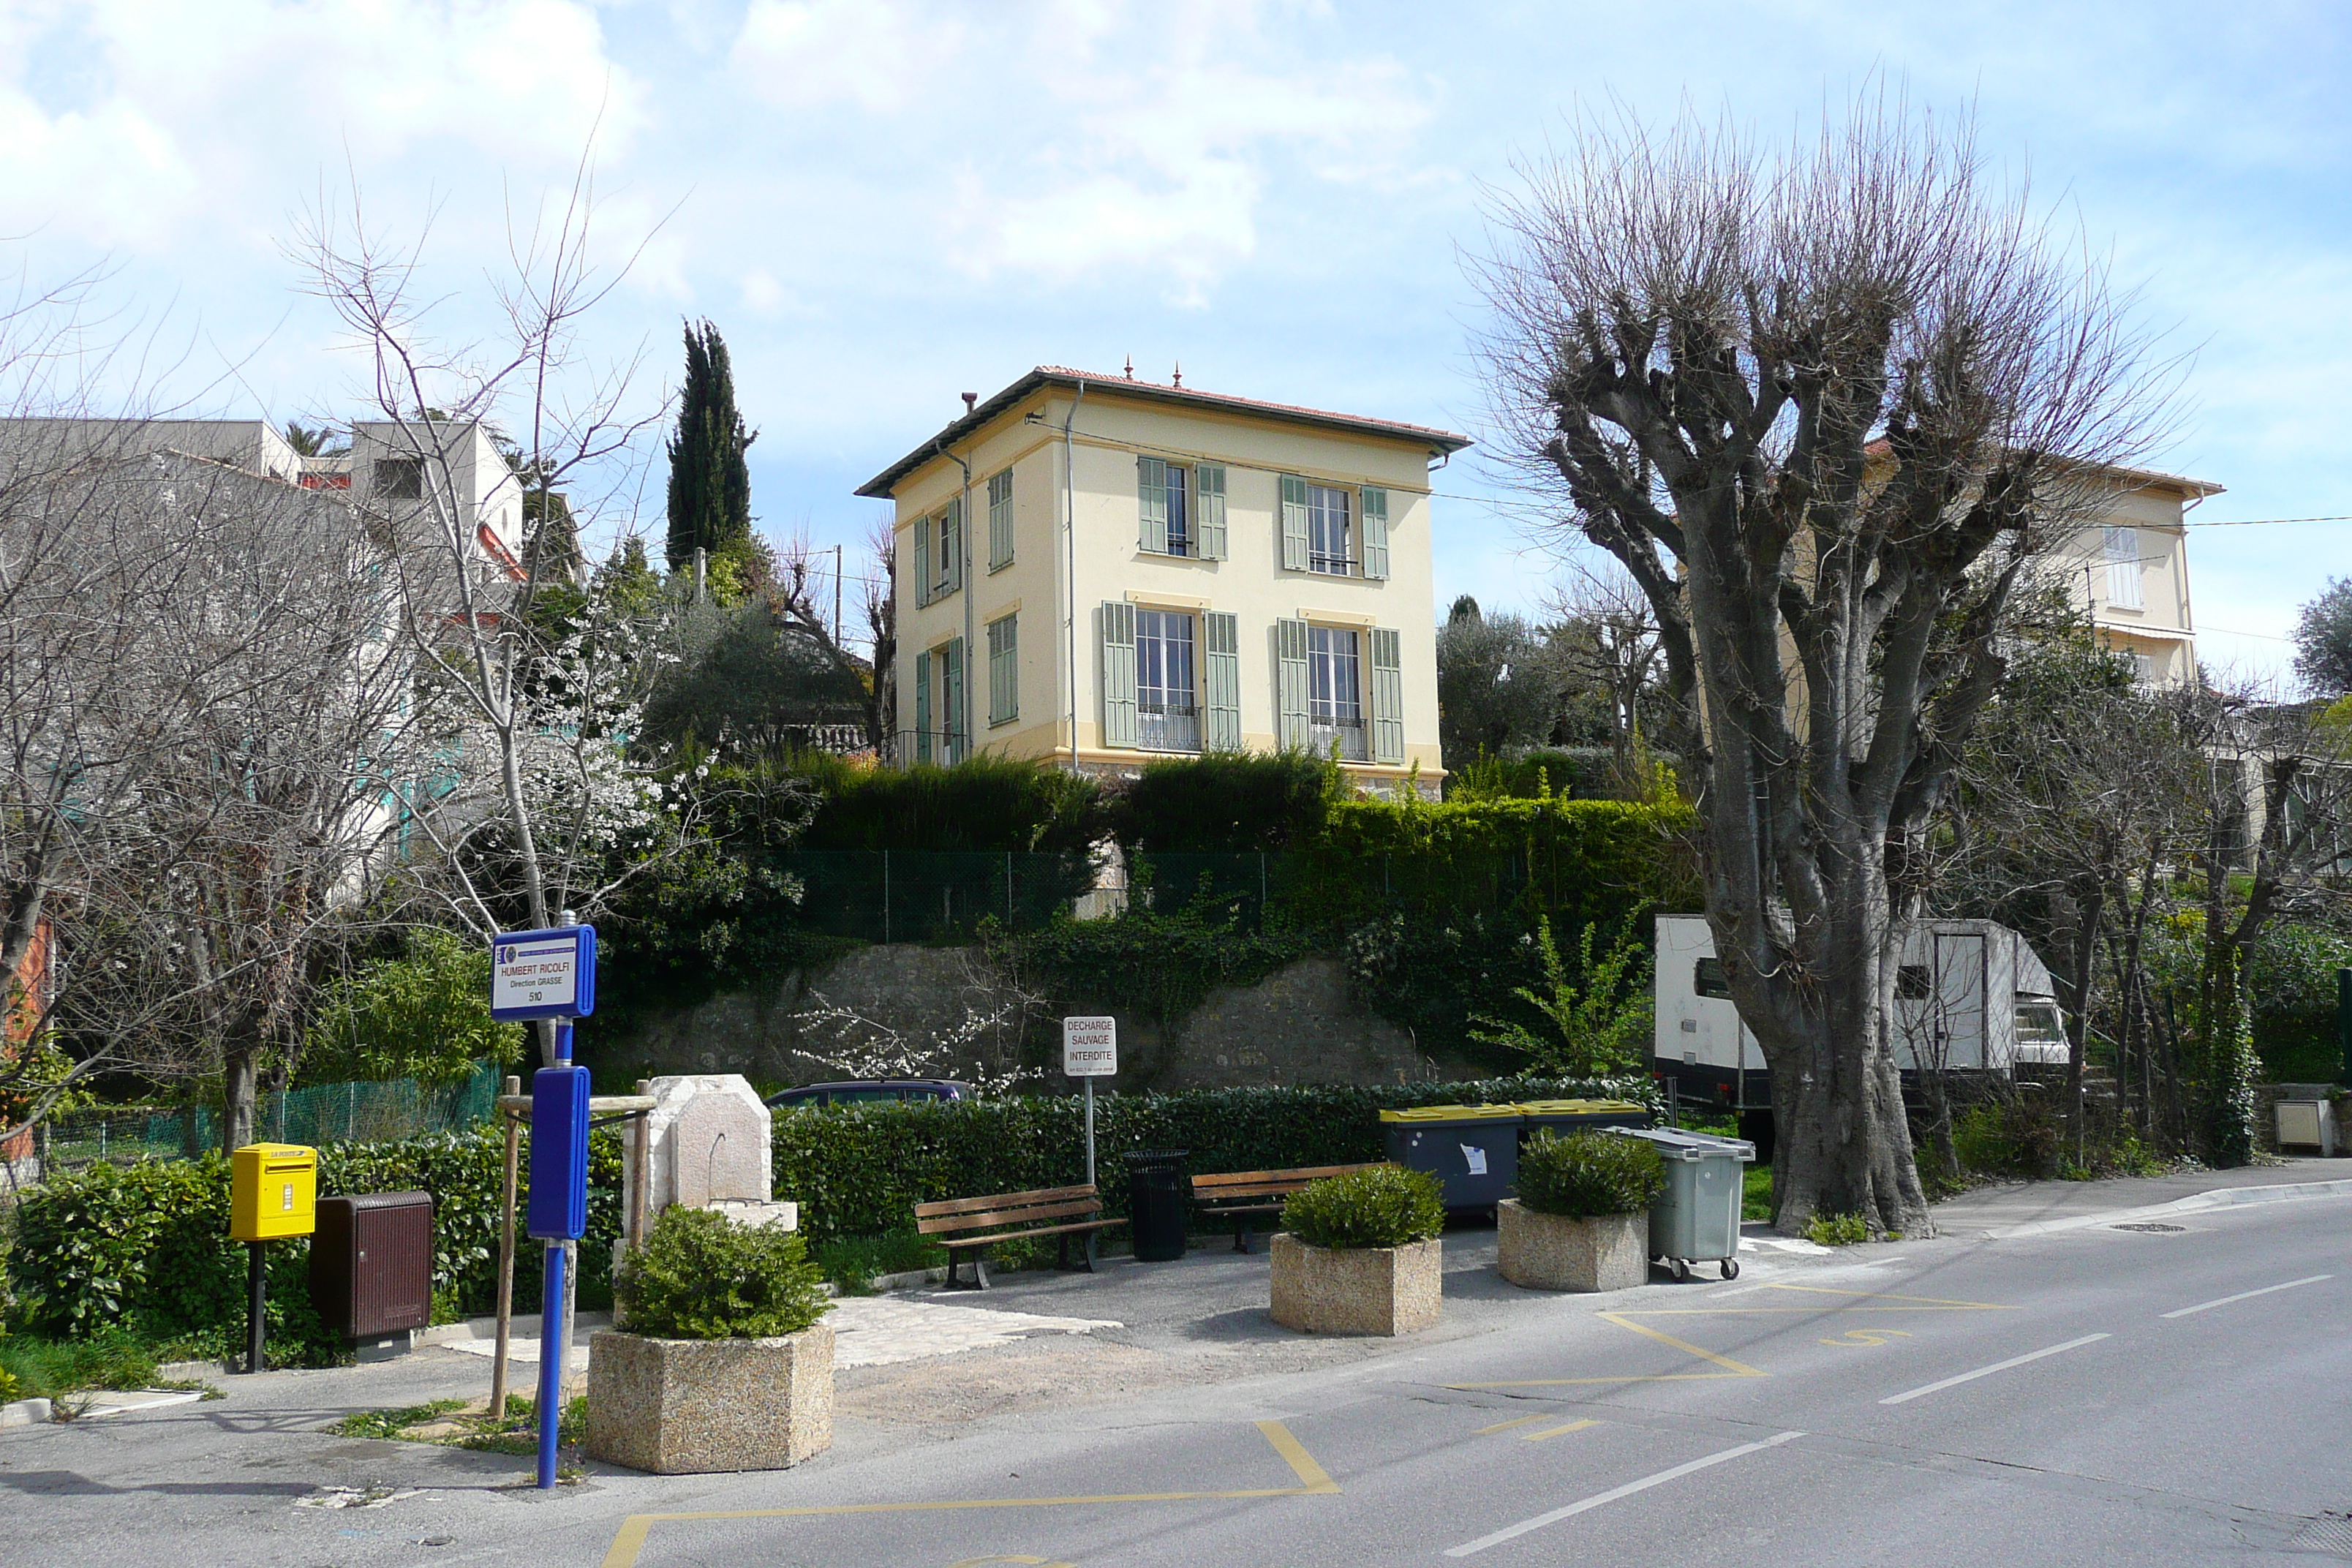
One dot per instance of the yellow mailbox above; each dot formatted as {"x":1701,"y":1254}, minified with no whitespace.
{"x":273,"y":1192}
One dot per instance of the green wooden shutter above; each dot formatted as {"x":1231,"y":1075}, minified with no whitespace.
{"x":1388,"y":697}
{"x":1376,"y":534}
{"x":1221,"y":686}
{"x":923,"y":705}
{"x":1003,"y":672}
{"x":999,"y":521}
{"x":1119,"y":673}
{"x":952,"y":545}
{"x":923,"y":563}
{"x":1290,"y":685}
{"x":1151,"y":497}
{"x":955,"y":721}
{"x":1293,"y":524}
{"x":1209,"y":509}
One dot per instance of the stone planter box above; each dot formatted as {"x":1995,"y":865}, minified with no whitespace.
{"x":1552,"y":1252}
{"x":693,"y":1406}
{"x":1368,"y":1290}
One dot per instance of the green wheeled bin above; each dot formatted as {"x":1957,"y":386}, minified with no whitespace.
{"x":1696,"y":1219}
{"x":1474,"y":1150}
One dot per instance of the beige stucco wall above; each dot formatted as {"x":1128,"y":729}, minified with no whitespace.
{"x":2162,"y":630}
{"x":1107,"y":435}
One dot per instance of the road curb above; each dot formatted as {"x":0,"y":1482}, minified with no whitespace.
{"x":2219,"y":1198}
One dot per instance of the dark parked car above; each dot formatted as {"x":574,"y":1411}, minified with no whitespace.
{"x":869,"y":1091}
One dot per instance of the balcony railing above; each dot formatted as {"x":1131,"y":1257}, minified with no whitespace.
{"x":1167,"y":727}
{"x":1325,"y":734}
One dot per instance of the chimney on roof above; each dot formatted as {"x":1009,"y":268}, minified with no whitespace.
{"x":971,"y":401}
{"x":1130,"y":367}
{"x":1180,"y":373}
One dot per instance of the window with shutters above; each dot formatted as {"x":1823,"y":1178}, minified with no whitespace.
{"x":1220,"y":683}
{"x":1181,"y":507}
{"x":2123,"y":568}
{"x":1375,"y":521}
{"x":923,"y":708}
{"x":955,"y":740}
{"x":1167,"y":706}
{"x":1003,"y":672}
{"x":1328,"y":533}
{"x":947,"y":559}
{"x":999,"y":521}
{"x":1334,"y":703}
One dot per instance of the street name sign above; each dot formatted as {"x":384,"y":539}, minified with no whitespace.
{"x":544,"y":973}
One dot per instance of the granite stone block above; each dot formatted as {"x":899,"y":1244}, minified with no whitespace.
{"x":1365,"y":1290}
{"x":695,"y":1406}
{"x":1552,"y":1252}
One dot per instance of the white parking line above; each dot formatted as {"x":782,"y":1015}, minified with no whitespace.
{"x":1909,"y":1394}
{"x":1510,"y":1533}
{"x":2248,"y":1295}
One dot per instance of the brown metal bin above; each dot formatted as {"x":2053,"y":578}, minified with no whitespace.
{"x":372,"y":1263}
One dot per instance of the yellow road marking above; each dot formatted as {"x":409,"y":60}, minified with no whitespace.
{"x":1577,"y":1382}
{"x":1875,"y":1338}
{"x":1890,"y":1296}
{"x":1624,"y":1320}
{"x":1737,"y":1367}
{"x":1556,"y":1431}
{"x":630,"y":1540}
{"x":1506,"y":1426}
{"x":1310,"y":1474}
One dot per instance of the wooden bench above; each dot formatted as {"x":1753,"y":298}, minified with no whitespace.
{"x":1247,"y":1193}
{"x":1006,"y":1216}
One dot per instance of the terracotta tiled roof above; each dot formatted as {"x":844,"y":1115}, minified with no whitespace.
{"x":1440,"y":442}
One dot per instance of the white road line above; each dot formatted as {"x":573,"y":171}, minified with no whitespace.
{"x":2248,"y":1295}
{"x":1510,"y":1533}
{"x":1910,"y":1395}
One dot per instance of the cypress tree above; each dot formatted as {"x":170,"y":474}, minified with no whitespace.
{"x":710,"y":485}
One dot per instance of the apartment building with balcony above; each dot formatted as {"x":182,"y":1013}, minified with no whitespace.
{"x":1096,"y":571}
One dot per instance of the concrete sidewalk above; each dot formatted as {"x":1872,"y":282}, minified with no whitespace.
{"x":1996,"y":1209}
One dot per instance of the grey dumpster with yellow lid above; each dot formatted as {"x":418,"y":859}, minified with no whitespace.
{"x":1472,"y":1150}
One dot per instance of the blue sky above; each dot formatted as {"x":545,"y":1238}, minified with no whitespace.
{"x":885,"y":204}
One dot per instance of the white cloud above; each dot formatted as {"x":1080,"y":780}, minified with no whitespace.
{"x":125,"y":124}
{"x":1072,"y":140}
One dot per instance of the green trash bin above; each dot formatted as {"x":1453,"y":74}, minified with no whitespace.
{"x":1474,"y":1150}
{"x":1696,"y":1219}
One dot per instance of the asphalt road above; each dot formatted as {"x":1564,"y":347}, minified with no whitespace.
{"x":2078,"y":1395}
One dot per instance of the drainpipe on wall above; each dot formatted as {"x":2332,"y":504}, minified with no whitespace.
{"x":1070,"y":574}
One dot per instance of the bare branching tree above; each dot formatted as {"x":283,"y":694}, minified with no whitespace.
{"x":1822,"y":406}
{"x":544,"y":713}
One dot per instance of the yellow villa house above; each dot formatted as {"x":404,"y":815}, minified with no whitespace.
{"x":1143,"y":570}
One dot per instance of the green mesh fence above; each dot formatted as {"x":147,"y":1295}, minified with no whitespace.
{"x":324,"y":1114}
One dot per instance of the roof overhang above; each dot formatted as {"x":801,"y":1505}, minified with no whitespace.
{"x":884,"y":485}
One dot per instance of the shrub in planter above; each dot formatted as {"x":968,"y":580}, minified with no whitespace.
{"x":1361,"y":1254}
{"x":723,"y":1365}
{"x":1581,"y":1220}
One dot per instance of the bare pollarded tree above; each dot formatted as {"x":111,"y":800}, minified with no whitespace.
{"x":1822,"y":404}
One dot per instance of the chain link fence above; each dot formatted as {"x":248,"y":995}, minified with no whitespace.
{"x":323,"y":1113}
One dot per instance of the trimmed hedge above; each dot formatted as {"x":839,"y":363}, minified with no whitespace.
{"x":1384,"y":1206}
{"x":147,"y":1246}
{"x":1587,"y":1175}
{"x":859,"y":1170}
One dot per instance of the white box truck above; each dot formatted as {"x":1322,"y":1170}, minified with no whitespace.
{"x":1971,"y":996}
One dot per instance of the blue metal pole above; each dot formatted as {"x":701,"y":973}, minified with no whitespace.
{"x":551,"y":1365}
{"x":550,"y":1324}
